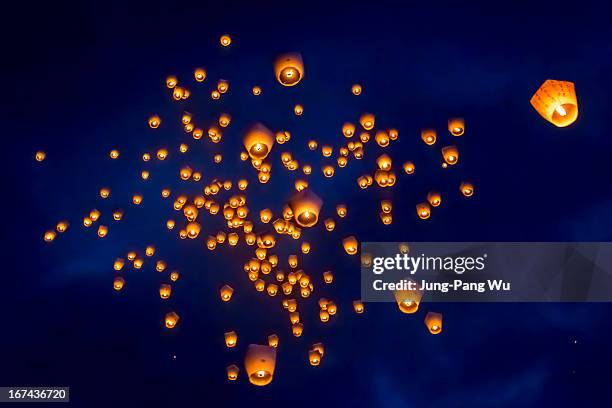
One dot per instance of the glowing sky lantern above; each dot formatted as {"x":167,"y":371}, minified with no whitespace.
{"x":433,"y":321}
{"x":423,"y":210}
{"x":62,"y":226}
{"x":384,"y":162}
{"x":226,"y":293}
{"x":327,"y":150}
{"x":165,"y":290}
{"x":356,"y":89}
{"x":467,"y":189}
{"x":40,"y":155}
{"x":102,"y":231}
{"x":428,"y":136}
{"x":556,"y":102}
{"x":305,"y":206}
{"x":232,"y":372}
{"x":408,"y":300}
{"x":199,"y":74}
{"x":222,"y":86}
{"x":259,"y":363}
{"x":450,"y":154}
{"x":298,"y":110}
{"x":231,"y":339}
{"x":434,"y":198}
{"x":256,"y":90}
{"x":350,"y":245}
{"x":409,"y":167}
{"x":225,"y":40}
{"x":118,"y":283}
{"x":171,"y":81}
{"x":258,"y":141}
{"x":382,"y":138}
{"x":154,"y":121}
{"x":456,"y":126}
{"x":171,"y":320}
{"x":289,"y":69}
{"x":348,"y":130}
{"x":273,"y":340}
{"x":358,"y":306}
{"x":49,"y":236}
{"x":367,"y":121}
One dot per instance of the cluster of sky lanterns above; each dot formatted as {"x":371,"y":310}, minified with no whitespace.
{"x":555,"y":101}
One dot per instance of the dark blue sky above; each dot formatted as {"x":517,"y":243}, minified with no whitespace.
{"x":81,"y":79}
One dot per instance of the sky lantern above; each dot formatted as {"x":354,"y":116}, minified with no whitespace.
{"x":258,"y":141}
{"x":328,"y":277}
{"x":428,"y":136}
{"x":323,"y":316}
{"x":160,"y":266}
{"x":456,"y":126}
{"x":358,"y":306}
{"x":199,"y":74}
{"x":298,"y":110}
{"x":232,"y":372}
{"x":382,"y":138}
{"x":330,"y":224}
{"x":301,"y":184}
{"x":197,"y":133}
{"x":467,"y":189}
{"x":266,"y":240}
{"x":314,"y":357}
{"x":150,"y":250}
{"x":393,"y":134}
{"x":259,"y":363}
{"x":273,"y":340}
{"x":450,"y":154}
{"x":328,"y":171}
{"x":102,"y":231}
{"x":265,"y":215}
{"x":49,"y":236}
{"x":171,"y":320}
{"x":305,"y":207}
{"x":174,"y":276}
{"x":404,"y":248}
{"x":556,"y":102}
{"x":87,"y":221}
{"x":178,"y":93}
{"x":364,"y":137}
{"x":211,"y":242}
{"x":297,"y":329}
{"x":356,"y":89}
{"x":342,"y":161}
{"x":193,"y":230}
{"x":231,"y":339}
{"x":225,"y":40}
{"x":305,"y":247}
{"x":409,"y":167}
{"x":433,"y":321}
{"x":363,"y":181}
{"x":292,"y":260}
{"x":224,"y":120}
{"x":260,"y":285}
{"x":281,"y":137}
{"x":367,"y":121}
{"x":118,"y":264}
{"x":162,"y":154}
{"x":94,"y":215}
{"x":215,"y":95}
{"x":232,"y":238}
{"x":222,"y":86}
{"x":350,"y":245}
{"x":40,"y":155}
{"x":131,"y":255}
{"x":171,"y":81}
{"x":408,"y":300}
{"x":434,"y":198}
{"x":118,"y":283}
{"x":62,"y":226}
{"x":348,"y":130}
{"x":256,"y":90}
{"x":289,"y":69}
{"x":291,"y":305}
{"x":165,"y":290}
{"x":423,"y":210}
{"x":272,"y":289}
{"x":312,"y":145}
{"x":341,"y":210}
{"x":386,"y":206}
{"x":386,"y":218}
{"x":287,"y":288}
{"x":138,"y":262}
{"x":331,"y":308}
{"x":154,"y":121}
{"x":384,"y":162}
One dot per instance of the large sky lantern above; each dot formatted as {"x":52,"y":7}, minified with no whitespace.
{"x":258,"y":141}
{"x":433,"y":321}
{"x":305,"y":206}
{"x":289,"y":69}
{"x":556,"y":102}
{"x":408,"y":300}
{"x":259,"y":363}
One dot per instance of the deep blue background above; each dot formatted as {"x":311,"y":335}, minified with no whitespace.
{"x":81,"y":79}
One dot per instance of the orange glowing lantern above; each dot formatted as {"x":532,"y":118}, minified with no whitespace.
{"x":298,"y":110}
{"x":556,"y":102}
{"x":423,"y":210}
{"x":350,"y":245}
{"x":232,"y":372}
{"x":171,"y":81}
{"x":154,"y":121}
{"x":467,"y":189}
{"x":297,"y":329}
{"x":258,"y":141}
{"x":348,"y":130}
{"x":434,"y":198}
{"x":118,"y":283}
{"x":225,"y":40}
{"x":356,"y":89}
{"x":61,"y":226}
{"x":171,"y":320}
{"x":102,"y":231}
{"x":256,"y":90}
{"x":409,"y":167}
{"x":273,"y":340}
{"x":199,"y":74}
{"x":456,"y":126}
{"x":231,"y":339}
{"x":428,"y":136}
{"x":450,"y":154}
{"x":433,"y":321}
{"x":305,"y":207}
{"x":289,"y":69}
{"x":408,"y":299}
{"x":165,"y":290}
{"x":49,"y":236}
{"x":259,"y":363}
{"x":367,"y":121}
{"x":358,"y":306}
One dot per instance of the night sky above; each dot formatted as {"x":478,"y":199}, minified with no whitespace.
{"x":81,"y":79}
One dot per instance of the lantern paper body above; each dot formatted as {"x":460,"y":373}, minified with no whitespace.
{"x":231,"y":338}
{"x":305,"y":206}
{"x":408,"y":300}
{"x":556,"y":102}
{"x":350,"y":245}
{"x":258,"y":141}
{"x":171,"y":320}
{"x":289,"y":69}
{"x":467,"y":189}
{"x":232,"y":372}
{"x":456,"y":126}
{"x":259,"y":363}
{"x":433,"y":321}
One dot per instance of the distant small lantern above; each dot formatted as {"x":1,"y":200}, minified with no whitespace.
{"x":118,"y":283}
{"x":384,"y":162}
{"x":231,"y":339}
{"x":382,"y":138}
{"x":256,"y":90}
{"x":434,"y":198}
{"x":289,"y":69}
{"x":298,"y":110}
{"x":154,"y":121}
{"x":102,"y":231}
{"x":225,"y":40}
{"x":40,"y":156}
{"x":556,"y":102}
{"x":408,"y":300}
{"x":330,"y":224}
{"x":174,"y":276}
{"x":171,"y":81}
{"x":409,"y":167}
{"x":150,"y":250}
{"x":297,"y":329}
{"x":467,"y":189}
{"x":341,"y":210}
{"x":423,"y":210}
{"x":358,"y":306}
{"x":171,"y":320}
{"x":199,"y":74}
{"x":222,"y":86}
{"x":350,"y":245}
{"x":49,"y":236}
{"x":165,"y":290}
{"x":456,"y":126}
{"x":348,"y":130}
{"x":367,"y":121}
{"x":356,"y":89}
{"x":433,"y":321}
{"x":428,"y":136}
{"x":62,"y":226}
{"x":273,"y":340}
{"x":232,"y":372}
{"x":450,"y":154}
